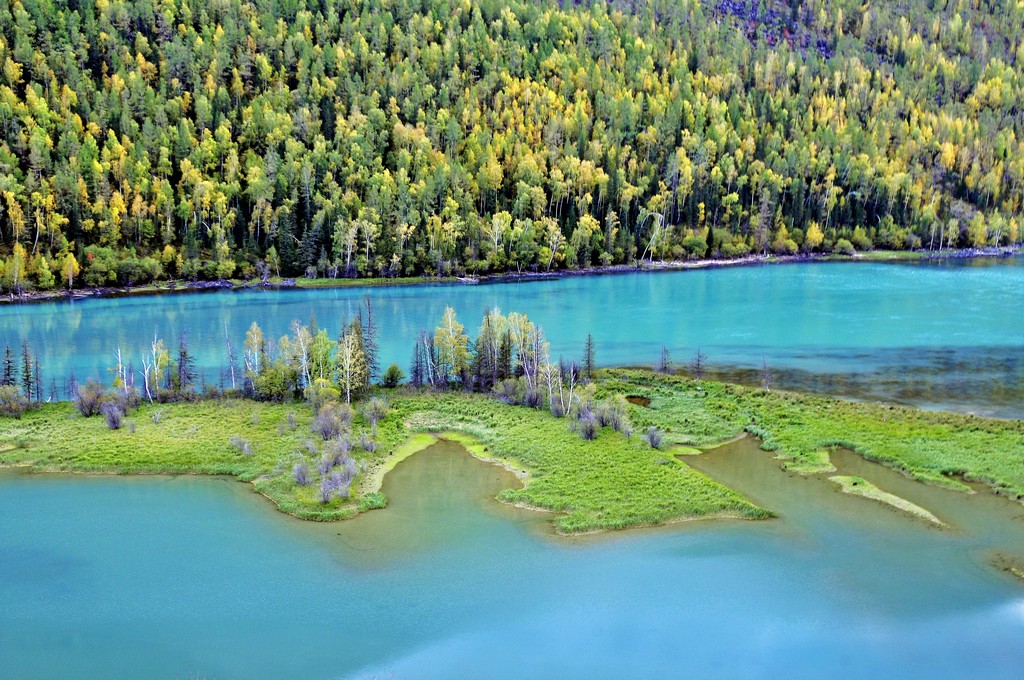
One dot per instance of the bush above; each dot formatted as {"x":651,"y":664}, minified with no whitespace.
{"x":654,"y":437}
{"x":367,"y":442}
{"x":301,"y":474}
{"x":860,"y":239}
{"x":393,"y":376}
{"x":12,"y":402}
{"x":376,"y":410}
{"x":332,"y":419}
{"x":321,"y":392}
{"x":588,"y":427}
{"x":844,"y":247}
{"x":241,"y":444}
{"x":88,"y":398}
{"x":508,"y":391}
{"x":733,"y":250}
{"x":785,"y":247}
{"x":696,"y":246}
{"x":113,"y":414}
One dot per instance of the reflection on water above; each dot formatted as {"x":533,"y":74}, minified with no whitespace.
{"x":951,"y":327}
{"x":192,"y":577}
{"x":984,"y":524}
{"x":985,"y":381}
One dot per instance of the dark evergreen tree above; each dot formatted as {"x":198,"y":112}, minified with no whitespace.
{"x":589,"y":355}
{"x":27,"y":374}
{"x":370,"y":348}
{"x":10,"y":372}
{"x":186,"y":374}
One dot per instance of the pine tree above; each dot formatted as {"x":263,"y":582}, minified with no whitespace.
{"x":370,"y":348}
{"x":588,"y":364}
{"x":186,"y":365}
{"x":10,"y":374}
{"x":505,"y":356}
{"x":416,"y":368}
{"x":27,"y":376}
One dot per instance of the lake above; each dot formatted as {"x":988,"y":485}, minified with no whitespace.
{"x":192,"y":577}
{"x":943,"y":334}
{"x":201,"y":578}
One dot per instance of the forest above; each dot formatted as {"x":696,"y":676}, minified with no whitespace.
{"x":170,"y":139}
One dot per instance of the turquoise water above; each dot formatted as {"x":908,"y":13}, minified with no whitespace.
{"x":200,"y":578}
{"x":937,"y":335}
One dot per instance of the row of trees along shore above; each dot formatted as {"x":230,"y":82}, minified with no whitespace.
{"x":509,"y":358}
{"x":333,"y":138}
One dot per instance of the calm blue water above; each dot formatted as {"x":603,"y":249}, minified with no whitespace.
{"x":948,"y":335}
{"x":199,"y":578}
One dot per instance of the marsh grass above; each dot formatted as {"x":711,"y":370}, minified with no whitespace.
{"x":611,"y":481}
{"x":936,"y":447}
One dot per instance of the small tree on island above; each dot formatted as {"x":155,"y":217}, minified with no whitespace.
{"x":767,"y":377}
{"x":588,"y":363}
{"x":698,"y":365}
{"x":664,"y":364}
{"x":393,"y":376}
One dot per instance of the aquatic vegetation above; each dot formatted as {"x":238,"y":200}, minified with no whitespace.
{"x":859,"y":486}
{"x":604,"y":479}
{"x":932,"y":446}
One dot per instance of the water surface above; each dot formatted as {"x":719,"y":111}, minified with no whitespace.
{"x":191,"y":577}
{"x":941,"y":335}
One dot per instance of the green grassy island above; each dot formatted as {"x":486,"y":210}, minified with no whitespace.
{"x":610,"y":481}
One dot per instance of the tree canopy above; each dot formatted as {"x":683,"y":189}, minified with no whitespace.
{"x":171,"y":138}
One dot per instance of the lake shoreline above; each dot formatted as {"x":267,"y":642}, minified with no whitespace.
{"x":579,"y":480}
{"x":175,"y":286}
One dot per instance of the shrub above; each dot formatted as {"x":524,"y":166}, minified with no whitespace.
{"x":241,"y":444}
{"x":88,"y":398}
{"x":696,"y":246}
{"x":376,"y":410}
{"x":321,"y":392}
{"x":654,"y":437}
{"x":860,"y":239}
{"x":113,"y":414}
{"x":325,"y":464}
{"x":532,"y":399}
{"x":301,"y":474}
{"x":338,"y":449}
{"x":332,"y":419}
{"x":508,"y":391}
{"x":393,"y":376}
{"x":12,"y":402}
{"x":326,"y":491}
{"x":334,"y":485}
{"x":588,"y":427}
{"x":373,"y":501}
{"x":844,"y":247}
{"x":367,"y":443}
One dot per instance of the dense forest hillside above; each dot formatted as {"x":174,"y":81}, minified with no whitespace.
{"x":222,"y":138}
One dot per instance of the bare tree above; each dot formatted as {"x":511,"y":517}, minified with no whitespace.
{"x":698,"y":364}
{"x":232,"y":359}
{"x":664,"y":364}
{"x":767,"y":377}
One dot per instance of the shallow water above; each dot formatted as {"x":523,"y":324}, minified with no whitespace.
{"x":193,"y":577}
{"x":937,"y":335}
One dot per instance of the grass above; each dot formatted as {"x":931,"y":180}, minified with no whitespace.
{"x":374,"y":282}
{"x":611,"y":482}
{"x":858,"y":486}
{"x":936,"y":447}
